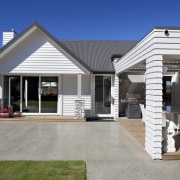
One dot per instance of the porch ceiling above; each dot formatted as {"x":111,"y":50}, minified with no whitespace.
{"x":172,"y":62}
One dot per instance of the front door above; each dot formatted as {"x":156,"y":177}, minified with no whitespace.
{"x":102,"y":95}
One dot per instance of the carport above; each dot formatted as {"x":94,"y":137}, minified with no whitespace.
{"x":158,"y":53}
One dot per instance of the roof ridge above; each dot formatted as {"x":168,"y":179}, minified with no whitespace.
{"x":98,"y":40}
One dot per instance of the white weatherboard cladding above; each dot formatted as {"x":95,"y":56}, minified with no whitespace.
{"x":152,"y":48}
{"x":156,"y":42}
{"x":153,"y":133}
{"x":86,"y":93}
{"x":37,"y":55}
{"x":69,"y":91}
{"x":115,"y":98}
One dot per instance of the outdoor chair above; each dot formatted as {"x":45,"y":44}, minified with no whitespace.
{"x":168,"y":132}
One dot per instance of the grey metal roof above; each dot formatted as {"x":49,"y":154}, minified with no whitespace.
{"x":96,"y":54}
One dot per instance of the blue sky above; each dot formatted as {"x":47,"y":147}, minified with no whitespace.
{"x":90,"y":19}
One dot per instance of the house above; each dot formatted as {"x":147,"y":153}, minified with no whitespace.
{"x":42,"y":75}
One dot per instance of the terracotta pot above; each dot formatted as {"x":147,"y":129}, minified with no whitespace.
{"x":4,"y":115}
{"x":16,"y":114}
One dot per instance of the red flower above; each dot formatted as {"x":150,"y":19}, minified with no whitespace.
{"x":4,"y":110}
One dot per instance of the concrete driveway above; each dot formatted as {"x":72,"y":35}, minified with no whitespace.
{"x":110,"y":153}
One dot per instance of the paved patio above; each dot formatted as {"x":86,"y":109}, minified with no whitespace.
{"x":107,"y":148}
{"x":136,"y":130}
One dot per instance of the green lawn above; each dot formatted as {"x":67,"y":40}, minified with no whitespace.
{"x":42,"y":170}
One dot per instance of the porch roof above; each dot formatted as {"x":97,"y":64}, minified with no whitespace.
{"x":161,"y":40}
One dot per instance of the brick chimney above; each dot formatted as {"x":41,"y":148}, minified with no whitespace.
{"x":8,"y":36}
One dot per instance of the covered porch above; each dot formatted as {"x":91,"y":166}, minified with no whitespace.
{"x":157,"y":58}
{"x":136,"y":131}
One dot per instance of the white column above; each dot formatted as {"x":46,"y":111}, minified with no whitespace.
{"x":92,"y":95}
{"x":21,"y":93}
{"x":79,"y":103}
{"x":39,"y":94}
{"x":9,"y":98}
{"x":153,"y":118}
{"x":60,"y":101}
{"x":115,"y":98}
{"x":26,"y":93}
{"x":79,"y":79}
{"x":1,"y":91}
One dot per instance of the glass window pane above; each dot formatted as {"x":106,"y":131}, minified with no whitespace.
{"x":30,"y":94}
{"x":102,"y":94}
{"x":12,"y":92}
{"x":49,"y":94}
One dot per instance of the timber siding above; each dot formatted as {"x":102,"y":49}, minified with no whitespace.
{"x":153,"y":119}
{"x":86,"y":94}
{"x":115,"y":99}
{"x":154,"y":43}
{"x":69,"y":91}
{"x":37,"y":55}
{"x":152,"y":49}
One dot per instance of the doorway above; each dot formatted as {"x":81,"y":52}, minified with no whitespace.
{"x":34,"y":94}
{"x":102,"y":95}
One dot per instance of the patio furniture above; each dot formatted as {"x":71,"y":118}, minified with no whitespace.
{"x":133,"y":109}
{"x":173,"y":116}
{"x":178,"y":122}
{"x":168,"y":132}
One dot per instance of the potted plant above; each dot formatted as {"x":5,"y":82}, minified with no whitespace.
{"x":16,"y":111}
{"x":4,"y":113}
{"x":17,"y":114}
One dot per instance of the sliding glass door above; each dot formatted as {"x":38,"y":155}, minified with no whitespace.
{"x":36,"y":94}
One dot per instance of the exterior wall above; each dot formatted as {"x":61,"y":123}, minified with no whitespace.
{"x":69,"y":93}
{"x":86,"y":94}
{"x":153,"y":119}
{"x":156,"y":42}
{"x":37,"y":55}
{"x":152,"y":48}
{"x":115,"y":98}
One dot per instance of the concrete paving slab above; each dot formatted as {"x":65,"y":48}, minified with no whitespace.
{"x":109,"y":152}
